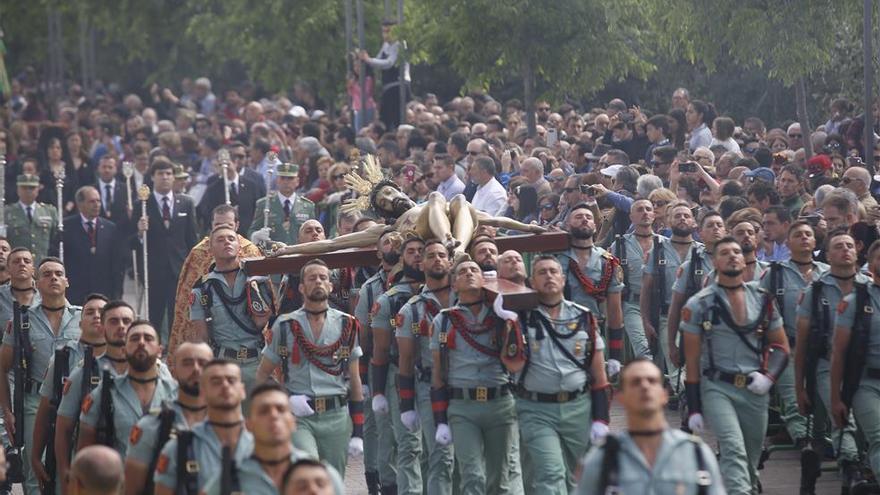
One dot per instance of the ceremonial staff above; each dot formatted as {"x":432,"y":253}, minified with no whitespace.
{"x":127,"y":172}
{"x":223,"y":156}
{"x":3,"y":190}
{"x":144,"y":195}
{"x":271,"y":158}
{"x":59,"y":190}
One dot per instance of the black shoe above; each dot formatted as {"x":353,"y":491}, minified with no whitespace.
{"x":389,"y":490}
{"x":765,"y":454}
{"x":854,"y":480}
{"x":373,"y":485}
{"x":811,"y":469}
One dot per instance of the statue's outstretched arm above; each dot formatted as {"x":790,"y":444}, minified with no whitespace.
{"x":508,"y":223}
{"x":364,"y":238}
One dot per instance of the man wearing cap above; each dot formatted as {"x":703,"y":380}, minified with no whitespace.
{"x":31,"y":224}
{"x":181,"y":177}
{"x":761,"y":173}
{"x":243,"y":192}
{"x":287,"y":210}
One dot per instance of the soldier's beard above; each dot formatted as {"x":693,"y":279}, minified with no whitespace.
{"x":731,"y":273}
{"x":141,"y":365}
{"x":681,"y":232}
{"x":318,"y":295}
{"x":413,"y":273}
{"x":747,"y":248}
{"x":488,"y":265}
{"x":438,"y":275}
{"x":391,"y":258}
{"x":582,"y":232}
{"x":191,"y":390}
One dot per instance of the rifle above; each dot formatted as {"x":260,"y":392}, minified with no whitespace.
{"x":21,"y":358}
{"x":658,"y":297}
{"x":817,"y":345}
{"x":856,"y":352}
{"x":106,"y":427}
{"x":166,"y":428}
{"x":62,"y":367}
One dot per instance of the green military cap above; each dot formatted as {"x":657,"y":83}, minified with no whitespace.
{"x":28,"y":180}
{"x":180,"y":172}
{"x":288,"y":170}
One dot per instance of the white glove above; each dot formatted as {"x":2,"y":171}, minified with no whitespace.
{"x":262,"y":235}
{"x":380,"y":404}
{"x":257,"y":278}
{"x":761,"y":383}
{"x":695,"y":423}
{"x":356,"y":447}
{"x":410,"y":420}
{"x":502,"y":313}
{"x":335,"y":197}
{"x":443,"y":436}
{"x":365,"y":389}
{"x":598,"y":431}
{"x":299,"y":405}
{"x":612,"y":367}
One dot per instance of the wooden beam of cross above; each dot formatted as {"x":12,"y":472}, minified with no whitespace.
{"x":515,"y":296}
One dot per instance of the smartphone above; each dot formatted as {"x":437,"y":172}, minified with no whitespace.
{"x":588,"y":190}
{"x":687,"y":167}
{"x":552,"y":137}
{"x":813,"y":219}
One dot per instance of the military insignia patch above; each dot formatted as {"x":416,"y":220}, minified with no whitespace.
{"x":66,"y":387}
{"x":398,"y":320}
{"x":86,"y":404}
{"x":686,"y":315}
{"x":801,"y":298}
{"x":374,"y":309}
{"x":135,"y":435}
{"x":162,"y":464}
{"x":678,"y":272}
{"x":841,"y":306}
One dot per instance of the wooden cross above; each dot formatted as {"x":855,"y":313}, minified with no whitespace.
{"x":516,"y":296}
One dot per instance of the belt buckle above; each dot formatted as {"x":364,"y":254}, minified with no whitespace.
{"x":482,"y":394}
{"x":739,"y":380}
{"x":242,"y":353}
{"x":869,"y":309}
{"x":192,"y":466}
{"x":698,"y":272}
{"x":25,"y":325}
{"x":282,"y":352}
{"x":780,"y":292}
{"x":661,"y":262}
{"x":320,"y":404}
{"x":95,"y":380}
{"x":562,"y":397}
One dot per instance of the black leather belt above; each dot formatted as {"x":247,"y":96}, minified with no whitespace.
{"x":328,"y":403}
{"x":480,"y":394}
{"x":32,"y":386}
{"x":872,"y":373}
{"x":738,"y":380}
{"x":557,"y":398}
{"x":241,"y":353}
{"x":424,"y":374}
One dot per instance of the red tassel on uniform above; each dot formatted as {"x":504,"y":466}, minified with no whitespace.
{"x":295,"y":358}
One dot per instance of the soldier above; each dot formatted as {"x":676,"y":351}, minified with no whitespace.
{"x":271,"y":423}
{"x":484,"y":252}
{"x":378,"y":466}
{"x":414,"y":379}
{"x":470,"y":382}
{"x":291,"y":299}
{"x":746,"y":234}
{"x":111,"y":409}
{"x":512,"y":268}
{"x":816,"y":319}
{"x":41,"y":329}
{"x":116,"y":317}
{"x":31,"y":224}
{"x":857,"y":325}
{"x":633,"y":251}
{"x":20,"y":289}
{"x":565,"y":362}
{"x":228,"y":309}
{"x":66,"y":359}
{"x":317,"y":348}
{"x":149,"y":435}
{"x":593,"y":277}
{"x":383,"y":323}
{"x":287,"y":210}
{"x":189,"y":461}
{"x":691,"y":276}
{"x":665,"y":257}
{"x":785,"y":280}
{"x":649,"y":456}
{"x":735,"y":349}
{"x":307,"y":477}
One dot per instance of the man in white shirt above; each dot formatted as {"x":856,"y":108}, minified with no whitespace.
{"x":491,"y":197}
{"x":390,"y":69}
{"x":448,"y":183}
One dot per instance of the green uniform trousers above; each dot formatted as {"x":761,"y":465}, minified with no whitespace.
{"x":556,"y":436}
{"x":635,"y":331}
{"x":482,"y":433}
{"x":788,"y":408}
{"x":325,"y":435}
{"x":31,"y":403}
{"x":673,"y":372}
{"x":386,"y":447}
{"x":440,"y":459}
{"x":843,"y":439}
{"x":371,"y":437}
{"x":409,"y":444}
{"x":867,"y":413}
{"x":739,"y":420}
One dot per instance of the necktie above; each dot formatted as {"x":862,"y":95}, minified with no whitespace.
{"x":108,"y":197}
{"x":233,"y":193}
{"x":286,"y":209}
{"x":91,"y":231}
{"x":166,"y":211}
{"x":30,"y":214}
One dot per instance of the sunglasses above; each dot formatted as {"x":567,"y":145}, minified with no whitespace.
{"x":544,"y":109}
{"x":238,"y":157}
{"x":795,"y":136}
{"x":570,"y":189}
{"x":556,"y":179}
{"x":659,"y":204}
{"x":338,"y":176}
{"x":847,"y":180}
{"x":547,"y":207}
{"x":473,"y":153}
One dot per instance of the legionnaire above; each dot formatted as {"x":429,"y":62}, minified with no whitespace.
{"x":563,"y":383}
{"x":228,"y":309}
{"x":511,"y":267}
{"x":109,"y":411}
{"x":317,"y":348}
{"x":484,"y":252}
{"x":633,"y":251}
{"x":691,"y":276}
{"x":271,"y":423}
{"x":20,"y":289}
{"x":287,"y":210}
{"x":815,"y":322}
{"x":746,"y":234}
{"x":593,"y":277}
{"x":290,"y":298}
{"x":855,"y":360}
{"x":31,"y":224}
{"x":149,"y":435}
{"x":380,"y":469}
{"x":33,"y":337}
{"x":471,"y":383}
{"x":116,"y":317}
{"x":384,"y":321}
{"x":785,"y":280}
{"x":65,"y":360}
{"x":649,"y":456}
{"x":189,"y":461}
{"x":735,"y":349}
{"x":665,"y":257}
{"x":414,"y":379}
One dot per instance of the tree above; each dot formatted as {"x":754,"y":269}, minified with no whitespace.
{"x":571,"y":47}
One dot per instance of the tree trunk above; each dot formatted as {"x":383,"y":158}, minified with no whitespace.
{"x":529,"y":90}
{"x":803,"y":118}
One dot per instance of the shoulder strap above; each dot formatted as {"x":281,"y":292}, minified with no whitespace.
{"x":187,"y":465}
{"x":107,"y":429}
{"x":284,"y":352}
{"x":704,"y":478}
{"x":166,"y":425}
{"x":609,"y":477}
{"x":776,"y":289}
{"x":621,"y":252}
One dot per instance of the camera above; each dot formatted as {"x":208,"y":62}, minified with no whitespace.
{"x":588,"y":189}
{"x":687,"y":167}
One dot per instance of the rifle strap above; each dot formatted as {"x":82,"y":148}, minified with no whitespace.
{"x":106,"y":422}
{"x":621,"y":253}
{"x":776,"y":289}
{"x":693,"y":284}
{"x":609,"y":477}
{"x":187,"y":465}
{"x":229,"y":474}
{"x":659,"y":283}
{"x":704,"y":478}
{"x":166,"y":427}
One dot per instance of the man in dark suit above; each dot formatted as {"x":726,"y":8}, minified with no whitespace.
{"x":92,"y":260}
{"x":171,"y":230}
{"x":243,"y":193}
{"x":113,"y":193}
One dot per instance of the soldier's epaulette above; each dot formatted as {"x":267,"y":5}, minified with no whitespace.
{"x":583,"y":309}
{"x":392,"y":291}
{"x":307,"y":200}
{"x":414,"y":299}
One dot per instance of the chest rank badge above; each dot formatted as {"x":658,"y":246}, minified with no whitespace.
{"x":578,"y":349}
{"x":342,"y":353}
{"x":345,"y":294}
{"x":572,"y":326}
{"x":415,"y":329}
{"x":258,"y":306}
